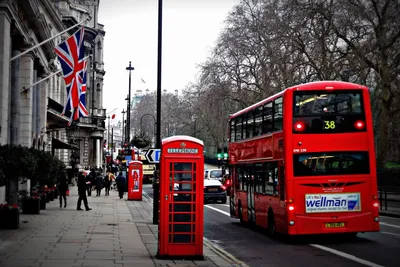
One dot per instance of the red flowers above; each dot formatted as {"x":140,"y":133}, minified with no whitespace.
{"x":9,"y":206}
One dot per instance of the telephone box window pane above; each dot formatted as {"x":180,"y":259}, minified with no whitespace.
{"x":170,"y":217}
{"x":182,"y":218}
{"x":170,"y":228}
{"x":170,"y":208}
{"x":193,"y":238}
{"x":181,"y":228}
{"x":194,"y":177}
{"x":182,"y":208}
{"x":170,"y":238}
{"x":194,"y":166}
{"x":182,"y":197}
{"x":194,"y":217}
{"x":193,"y":228}
{"x":183,"y":166}
{"x":181,"y":238}
{"x":187,"y":176}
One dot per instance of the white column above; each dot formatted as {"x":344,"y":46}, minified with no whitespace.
{"x":15,"y":100}
{"x":43,"y":111}
{"x":98,"y":159}
{"x":26,"y":77}
{"x":4,"y":74}
{"x":34,"y":108}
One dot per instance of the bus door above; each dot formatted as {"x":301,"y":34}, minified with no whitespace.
{"x":249,"y":172}
{"x":232,"y":203}
{"x":279,"y":183}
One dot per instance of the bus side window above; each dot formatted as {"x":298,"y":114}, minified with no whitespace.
{"x":267,"y":118}
{"x":232,"y":133}
{"x":258,"y":118}
{"x":259,"y":177}
{"x":250,"y":125}
{"x":276,"y":180}
{"x":239,"y":128}
{"x":269,"y":182}
{"x":278,"y":114}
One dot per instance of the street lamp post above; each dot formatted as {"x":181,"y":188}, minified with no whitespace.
{"x":128,"y":114}
{"x":122,"y":131}
{"x":126,"y":125}
{"x":108,"y":135}
{"x":156,"y":187}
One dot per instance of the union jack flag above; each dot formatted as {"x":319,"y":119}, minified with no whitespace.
{"x":71,"y":56}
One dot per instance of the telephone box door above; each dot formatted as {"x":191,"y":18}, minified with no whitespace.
{"x":135,"y":179}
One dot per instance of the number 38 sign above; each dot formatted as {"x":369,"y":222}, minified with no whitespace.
{"x":329,"y":125}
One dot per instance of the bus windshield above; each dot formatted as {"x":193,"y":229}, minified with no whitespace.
{"x":321,"y":103}
{"x":331,"y":163}
{"x":328,"y":112}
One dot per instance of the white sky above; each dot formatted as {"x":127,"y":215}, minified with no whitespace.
{"x":190,"y":30}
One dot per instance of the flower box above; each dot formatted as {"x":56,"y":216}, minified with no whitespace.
{"x":50,"y":195}
{"x":9,"y":217}
{"x":55,"y":193}
{"x":31,"y":206}
{"x":43,"y":201}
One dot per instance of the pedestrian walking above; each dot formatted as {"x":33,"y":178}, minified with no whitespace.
{"x":120,"y":180}
{"x":99,"y":183}
{"x":107,"y":182}
{"x":82,"y":192}
{"x":62,"y":190}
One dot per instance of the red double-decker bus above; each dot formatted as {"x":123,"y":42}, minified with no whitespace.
{"x":303,"y":161}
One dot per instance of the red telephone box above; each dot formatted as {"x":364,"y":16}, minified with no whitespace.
{"x":181,"y":214}
{"x":135,"y":180}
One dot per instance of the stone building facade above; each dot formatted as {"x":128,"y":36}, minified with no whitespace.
{"x":31,"y":115}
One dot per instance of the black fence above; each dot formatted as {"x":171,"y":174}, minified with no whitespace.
{"x":389,"y":198}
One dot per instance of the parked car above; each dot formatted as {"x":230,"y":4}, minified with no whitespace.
{"x":214,"y":190}
{"x":215,"y":174}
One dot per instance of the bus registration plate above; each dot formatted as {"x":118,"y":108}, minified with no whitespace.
{"x":334,"y":225}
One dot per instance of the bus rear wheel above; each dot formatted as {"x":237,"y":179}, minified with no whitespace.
{"x":271,"y":225}
{"x":241,"y":215}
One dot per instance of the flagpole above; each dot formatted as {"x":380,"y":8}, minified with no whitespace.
{"x":48,"y":77}
{"x":42,"y":80}
{"x":49,"y":39}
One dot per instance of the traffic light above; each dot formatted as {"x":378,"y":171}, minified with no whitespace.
{"x":219,"y":154}
{"x":225,"y":153}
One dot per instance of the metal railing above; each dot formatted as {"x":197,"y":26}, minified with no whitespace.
{"x":389,"y":198}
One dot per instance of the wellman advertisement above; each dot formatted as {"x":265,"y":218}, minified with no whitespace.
{"x":346,"y":202}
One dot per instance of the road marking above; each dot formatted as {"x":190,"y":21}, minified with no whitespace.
{"x":220,"y":211}
{"x":392,"y":218}
{"x":390,"y":225}
{"x":347,"y":256}
{"x":223,"y":253}
{"x":339,"y":253}
{"x":390,"y":233}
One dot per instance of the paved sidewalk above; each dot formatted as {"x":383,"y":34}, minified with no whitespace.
{"x":115,"y":233}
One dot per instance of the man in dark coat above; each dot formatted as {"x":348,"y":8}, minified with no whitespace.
{"x":82,"y":192}
{"x":120,"y":180}
{"x":62,"y":189}
{"x":99,"y":183}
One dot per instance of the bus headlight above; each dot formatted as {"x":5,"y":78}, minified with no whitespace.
{"x":376,"y":219}
{"x":291,"y":223}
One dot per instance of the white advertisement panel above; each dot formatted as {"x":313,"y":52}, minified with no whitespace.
{"x":346,"y":202}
